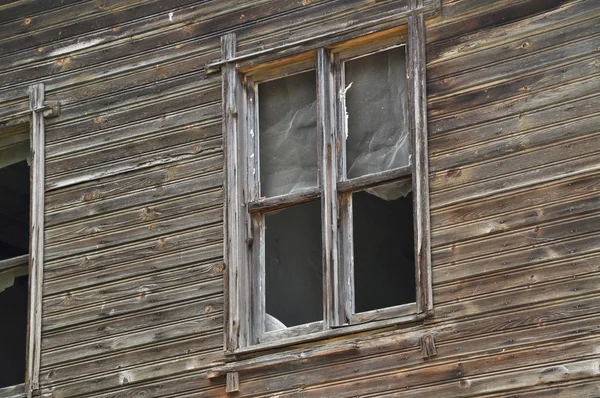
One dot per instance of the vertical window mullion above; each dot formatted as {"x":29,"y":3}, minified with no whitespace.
{"x":345,"y":233}
{"x":255,"y":222}
{"x":326,"y":118}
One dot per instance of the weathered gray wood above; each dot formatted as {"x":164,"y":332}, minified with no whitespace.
{"x":237,"y":292}
{"x":36,"y":236}
{"x":233,"y":382}
{"x":417,"y":97}
{"x":303,"y":337}
{"x":401,"y":10}
{"x":373,"y":180}
{"x":280,"y":202}
{"x":428,"y":349}
{"x":143,"y":320}
{"x":333,"y":304}
{"x":278,"y":359}
{"x":17,"y":391}
{"x":199,"y":350}
{"x":511,"y":128}
{"x":15,"y":262}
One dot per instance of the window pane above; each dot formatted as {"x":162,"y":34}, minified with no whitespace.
{"x":384,"y":263}
{"x":288,"y":134}
{"x":376,"y":104}
{"x":294,"y":275}
{"x":13,"y":333}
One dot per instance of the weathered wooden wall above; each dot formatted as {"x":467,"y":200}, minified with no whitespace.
{"x":133,"y":286}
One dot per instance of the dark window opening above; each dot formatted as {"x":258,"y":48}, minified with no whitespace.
{"x":13,"y":333}
{"x":293,"y":271}
{"x":14,"y":243}
{"x":384,"y":263}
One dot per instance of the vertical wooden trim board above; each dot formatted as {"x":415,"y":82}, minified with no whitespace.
{"x":36,"y":233}
{"x":418,"y":131}
{"x":334,"y":311}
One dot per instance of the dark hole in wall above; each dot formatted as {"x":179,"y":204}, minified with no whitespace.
{"x":384,"y":262}
{"x":293,"y":271}
{"x":14,"y":241}
{"x":13,"y":332}
{"x":14,"y":210}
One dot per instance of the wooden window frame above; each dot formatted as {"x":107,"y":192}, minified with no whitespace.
{"x":245,"y":210}
{"x":38,"y":110}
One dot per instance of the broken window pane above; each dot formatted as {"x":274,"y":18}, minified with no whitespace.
{"x":293,"y":271}
{"x":376,"y":105}
{"x":288,"y":134}
{"x":384,"y":263}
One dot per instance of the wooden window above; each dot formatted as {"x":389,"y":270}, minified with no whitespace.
{"x":327,"y":208}
{"x":21,"y":244}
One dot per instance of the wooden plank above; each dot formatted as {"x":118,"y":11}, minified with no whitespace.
{"x":141,"y":288}
{"x":237,"y":290}
{"x":548,"y":375}
{"x":551,"y":76}
{"x":551,"y":193}
{"x":428,"y":349}
{"x":189,"y":327}
{"x":208,"y":147}
{"x":467,"y":289}
{"x":129,"y":305}
{"x":274,"y":360}
{"x":544,"y":116}
{"x":373,"y":180}
{"x":140,"y":190}
{"x":233,"y":382}
{"x":565,"y":33}
{"x":494,"y":35}
{"x":333,"y":304}
{"x":202,"y":114}
{"x":306,"y":29}
{"x":151,"y":213}
{"x":472,"y":16}
{"x":537,"y":253}
{"x":417,"y":97}
{"x":379,"y":359}
{"x":456,"y":376}
{"x":282,"y":201}
{"x":36,"y":237}
{"x":17,"y":391}
{"x":154,"y":255}
{"x":175,"y":376}
{"x":528,"y":168}
{"x":152,"y":229}
{"x":531,"y":216}
{"x":15,"y":262}
{"x":570,"y":91}
{"x":109,"y":188}
{"x":508,"y":143}
{"x":138,"y":321}
{"x":171,"y":145}
{"x":199,"y":347}
{"x":517,"y":298}
{"x":562,"y":229}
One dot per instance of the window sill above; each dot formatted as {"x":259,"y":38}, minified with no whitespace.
{"x":325,"y":334}
{"x":17,"y":391}
{"x":309,"y":353}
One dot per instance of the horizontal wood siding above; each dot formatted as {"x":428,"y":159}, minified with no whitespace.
{"x":133,"y":280}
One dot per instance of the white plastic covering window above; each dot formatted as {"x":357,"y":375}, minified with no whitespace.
{"x":288,"y":134}
{"x":377,"y":111}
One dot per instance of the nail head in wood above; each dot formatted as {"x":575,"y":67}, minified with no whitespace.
{"x":428,"y":349}
{"x":233,"y":382}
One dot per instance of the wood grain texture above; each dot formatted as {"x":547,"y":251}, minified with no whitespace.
{"x":135,"y":259}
